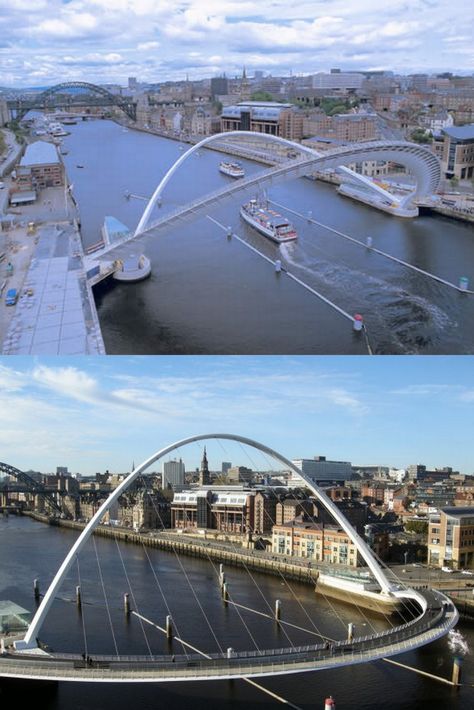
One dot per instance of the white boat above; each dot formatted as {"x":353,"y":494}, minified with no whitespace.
{"x":268,"y":222}
{"x":234,"y":170}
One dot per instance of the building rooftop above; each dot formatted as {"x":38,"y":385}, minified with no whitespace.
{"x":40,"y":153}
{"x":458,"y":512}
{"x":460,"y":132}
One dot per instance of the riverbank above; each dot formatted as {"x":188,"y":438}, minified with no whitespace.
{"x":347,"y":591}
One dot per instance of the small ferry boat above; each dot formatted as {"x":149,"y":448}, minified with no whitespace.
{"x":234,"y":170}
{"x":268,"y":222}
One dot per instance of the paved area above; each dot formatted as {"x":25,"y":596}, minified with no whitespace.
{"x":55,"y":313}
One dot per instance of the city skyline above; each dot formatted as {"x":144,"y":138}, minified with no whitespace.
{"x":106,"y":41}
{"x":97,"y":414}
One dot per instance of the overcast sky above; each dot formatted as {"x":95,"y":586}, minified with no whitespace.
{"x":43,"y":42}
{"x":93,"y":414}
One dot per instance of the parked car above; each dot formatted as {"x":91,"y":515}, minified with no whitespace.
{"x":467,"y":571}
{"x":446,"y":569}
{"x":11,"y":297}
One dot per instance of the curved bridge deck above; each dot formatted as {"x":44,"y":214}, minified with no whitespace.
{"x":411,"y":154}
{"x":439,"y":617}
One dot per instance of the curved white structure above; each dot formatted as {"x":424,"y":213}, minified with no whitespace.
{"x":421,"y":161}
{"x":386,"y":585}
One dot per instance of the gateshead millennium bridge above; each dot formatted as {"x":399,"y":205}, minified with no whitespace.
{"x":435,"y":616}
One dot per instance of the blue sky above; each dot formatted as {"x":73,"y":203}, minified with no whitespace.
{"x":43,"y":42}
{"x":96,"y":413}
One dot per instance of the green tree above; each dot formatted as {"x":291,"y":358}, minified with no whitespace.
{"x":417,"y":526}
{"x":261,"y":96}
{"x":419,"y":135}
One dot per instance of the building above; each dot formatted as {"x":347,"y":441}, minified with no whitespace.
{"x":219,"y":86}
{"x":233,"y":512}
{"x":227,"y":510}
{"x":451,"y":538}
{"x":455,"y":148}
{"x":204,"y":475}
{"x":354,"y":127}
{"x":269,"y":117}
{"x":373,"y":494}
{"x":173,"y":473}
{"x":40,"y":167}
{"x":320,"y":470}
{"x":239,"y":474}
{"x":321,"y":543}
{"x":191,"y":509}
{"x":225,"y":466}
{"x":144,"y":509}
{"x":355,"y":512}
{"x":265,"y":510}
{"x":338,"y":82}
{"x":291,"y":508}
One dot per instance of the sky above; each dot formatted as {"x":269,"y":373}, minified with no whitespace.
{"x":43,"y":42}
{"x":98,"y":413}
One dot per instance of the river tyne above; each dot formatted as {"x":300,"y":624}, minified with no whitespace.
{"x":209,"y":294}
{"x":32,"y":550}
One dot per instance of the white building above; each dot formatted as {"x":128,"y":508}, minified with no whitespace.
{"x":319,"y":469}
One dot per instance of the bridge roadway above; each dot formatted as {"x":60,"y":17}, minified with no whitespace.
{"x":291,"y":169}
{"x":439,"y":616}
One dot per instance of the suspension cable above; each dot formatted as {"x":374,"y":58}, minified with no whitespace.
{"x":133,"y":596}
{"x":105,"y":596}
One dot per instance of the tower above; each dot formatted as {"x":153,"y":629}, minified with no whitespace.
{"x":204,"y":478}
{"x":244,"y":87}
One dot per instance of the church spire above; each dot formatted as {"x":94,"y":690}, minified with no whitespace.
{"x":244,"y":87}
{"x":204,"y":477}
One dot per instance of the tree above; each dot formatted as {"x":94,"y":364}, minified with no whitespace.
{"x":261,"y":96}
{"x":417,"y":526}
{"x":419,"y":135}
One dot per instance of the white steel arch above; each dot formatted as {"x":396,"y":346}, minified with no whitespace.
{"x":421,"y":161}
{"x":386,"y":585}
{"x":209,"y":139}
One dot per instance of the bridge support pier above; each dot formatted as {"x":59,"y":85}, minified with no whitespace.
{"x":225,"y":593}
{"x":126,"y":603}
{"x":456,"y":678}
{"x":36,"y":589}
{"x":78,"y":597}
{"x":169,"y":628}
{"x":277,"y":610}
{"x":350,"y":631}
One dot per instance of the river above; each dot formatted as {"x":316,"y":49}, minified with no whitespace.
{"x":211,"y":295}
{"x":30,"y":550}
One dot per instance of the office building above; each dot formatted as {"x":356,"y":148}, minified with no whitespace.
{"x":173,"y":473}
{"x":451,"y":538}
{"x":319,"y":469}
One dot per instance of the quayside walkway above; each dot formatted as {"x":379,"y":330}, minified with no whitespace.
{"x":437,"y":618}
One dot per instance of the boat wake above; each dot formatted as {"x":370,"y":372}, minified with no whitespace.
{"x":397,"y":319}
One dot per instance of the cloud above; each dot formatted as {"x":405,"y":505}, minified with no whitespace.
{"x":76,"y":384}
{"x":273,"y":35}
